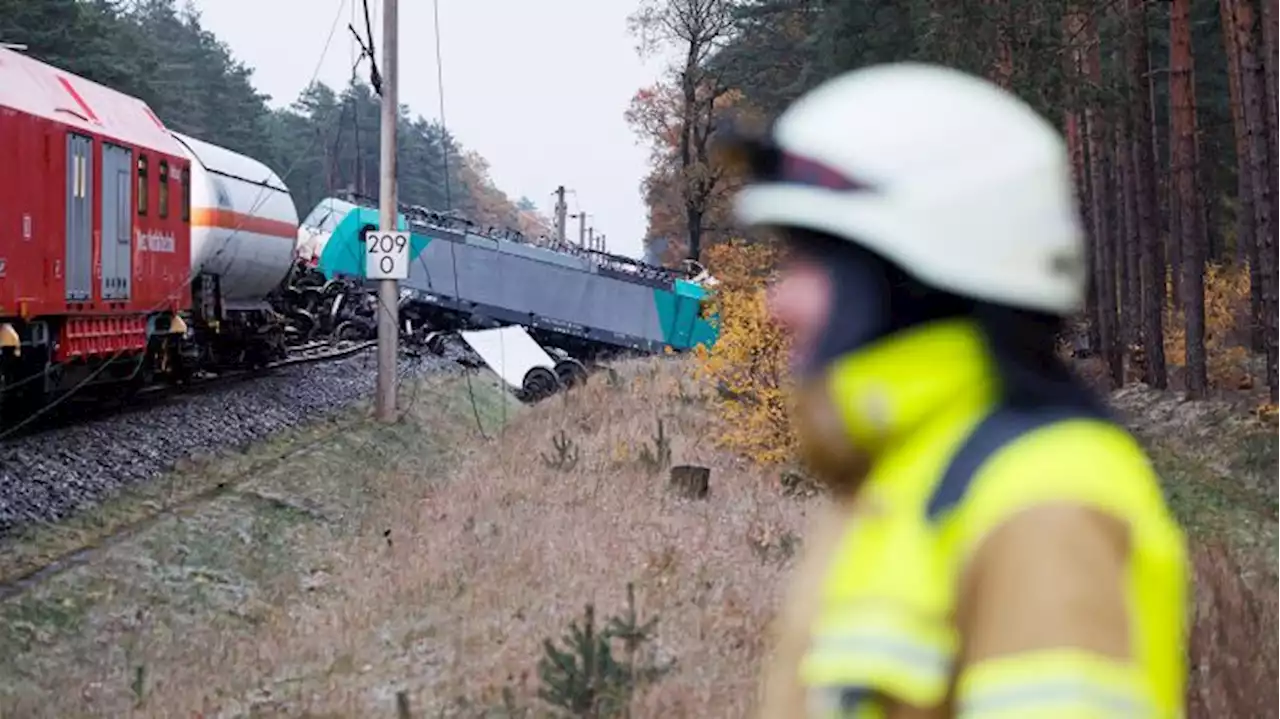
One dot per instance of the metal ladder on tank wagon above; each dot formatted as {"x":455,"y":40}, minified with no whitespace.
{"x":529,"y":370}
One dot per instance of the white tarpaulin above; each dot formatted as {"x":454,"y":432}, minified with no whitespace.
{"x":509,"y":351}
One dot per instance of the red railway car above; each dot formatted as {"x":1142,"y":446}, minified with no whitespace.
{"x":95,"y":239}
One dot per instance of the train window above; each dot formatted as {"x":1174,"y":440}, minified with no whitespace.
{"x":142,"y":184}
{"x":162,"y":196}
{"x":185,"y":175}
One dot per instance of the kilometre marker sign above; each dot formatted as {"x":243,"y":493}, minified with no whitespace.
{"x":386,"y":255}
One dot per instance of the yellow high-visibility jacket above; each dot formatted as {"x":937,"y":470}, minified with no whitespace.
{"x":996,"y":563}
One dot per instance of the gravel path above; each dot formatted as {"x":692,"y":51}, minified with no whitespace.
{"x":48,"y":476}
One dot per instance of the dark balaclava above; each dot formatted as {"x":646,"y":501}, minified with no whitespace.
{"x":873,"y":298}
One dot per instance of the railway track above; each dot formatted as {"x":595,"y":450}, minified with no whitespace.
{"x":19,"y":574}
{"x":309,"y":353}
{"x":17,"y":579}
{"x":69,"y":411}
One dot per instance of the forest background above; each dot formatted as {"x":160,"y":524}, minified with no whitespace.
{"x":326,"y":142}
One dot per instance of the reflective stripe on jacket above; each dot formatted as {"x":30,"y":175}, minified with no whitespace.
{"x":995,"y":563}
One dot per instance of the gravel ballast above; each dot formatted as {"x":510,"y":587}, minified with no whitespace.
{"x":48,"y":476}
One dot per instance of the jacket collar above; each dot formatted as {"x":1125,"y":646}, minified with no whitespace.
{"x":889,"y":390}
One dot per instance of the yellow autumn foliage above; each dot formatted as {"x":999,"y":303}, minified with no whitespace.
{"x":748,"y":365}
{"x":1226,"y":321}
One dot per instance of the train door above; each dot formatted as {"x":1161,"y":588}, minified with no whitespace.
{"x":79,"y":260}
{"x":117,"y":222}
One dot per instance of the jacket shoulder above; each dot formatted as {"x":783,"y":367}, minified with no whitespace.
{"x":1085,"y":462}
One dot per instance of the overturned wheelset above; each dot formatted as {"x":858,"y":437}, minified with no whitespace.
{"x":541,"y":382}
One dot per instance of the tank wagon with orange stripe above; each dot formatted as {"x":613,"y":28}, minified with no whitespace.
{"x":127,"y":252}
{"x":243,"y":224}
{"x":244,"y":229}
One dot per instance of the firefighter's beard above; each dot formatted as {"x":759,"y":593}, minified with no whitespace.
{"x":825,"y":445}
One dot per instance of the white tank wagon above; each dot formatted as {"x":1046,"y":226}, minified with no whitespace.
{"x":244,"y":226}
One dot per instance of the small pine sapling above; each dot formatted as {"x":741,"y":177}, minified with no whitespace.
{"x":566,"y":454}
{"x":585,"y":678}
{"x":628,"y":628}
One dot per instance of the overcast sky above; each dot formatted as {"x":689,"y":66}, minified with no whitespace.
{"x":538,"y":88}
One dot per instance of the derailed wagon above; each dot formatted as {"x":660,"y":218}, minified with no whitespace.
{"x":582,"y":304}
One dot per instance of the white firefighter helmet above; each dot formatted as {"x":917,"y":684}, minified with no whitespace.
{"x":951,"y":178}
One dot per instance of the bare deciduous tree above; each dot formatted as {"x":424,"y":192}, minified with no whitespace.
{"x":697,"y":29}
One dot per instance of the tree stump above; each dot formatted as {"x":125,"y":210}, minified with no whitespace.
{"x":690,"y":482}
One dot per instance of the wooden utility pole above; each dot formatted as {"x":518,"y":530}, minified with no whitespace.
{"x":388,"y":289}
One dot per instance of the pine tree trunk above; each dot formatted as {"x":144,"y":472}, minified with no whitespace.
{"x":1244,"y":192}
{"x":1260,"y":167}
{"x":1208,"y":221}
{"x":1002,"y":65}
{"x":1173,"y":214}
{"x":1129,"y":243}
{"x":1246,"y":253}
{"x":1119,"y":236}
{"x":1104,"y":255}
{"x":1152,"y":264}
{"x":1267,"y":249}
{"x":1183,"y":125}
{"x":1073,"y":28}
{"x":1173,"y":236}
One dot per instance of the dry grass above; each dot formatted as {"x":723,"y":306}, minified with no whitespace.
{"x":428,"y":560}
{"x":487,"y":565}
{"x":333,"y":582}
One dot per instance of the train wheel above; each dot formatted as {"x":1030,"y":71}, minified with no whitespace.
{"x":348,"y":331}
{"x":335,"y":307}
{"x":312,"y":300}
{"x":571,"y":372}
{"x":303,"y":323}
{"x":539,"y":383}
{"x":437,"y":343}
